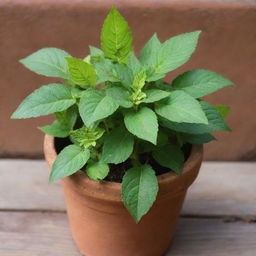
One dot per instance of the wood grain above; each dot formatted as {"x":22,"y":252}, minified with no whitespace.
{"x":222,"y":188}
{"x":35,"y":234}
{"x":41,"y":234}
{"x":24,"y":184}
{"x":214,"y":237}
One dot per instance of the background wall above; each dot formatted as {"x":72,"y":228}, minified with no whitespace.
{"x":227,"y":46}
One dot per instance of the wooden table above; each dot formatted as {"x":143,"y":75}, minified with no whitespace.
{"x":218,"y":218}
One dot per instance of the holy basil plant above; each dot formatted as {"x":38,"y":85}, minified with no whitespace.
{"x":116,"y":107}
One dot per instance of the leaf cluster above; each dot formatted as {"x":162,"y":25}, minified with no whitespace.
{"x":115,"y":107}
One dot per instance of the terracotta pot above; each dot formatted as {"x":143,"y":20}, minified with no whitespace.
{"x":101,"y":225}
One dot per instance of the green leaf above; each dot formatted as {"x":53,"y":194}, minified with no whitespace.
{"x":81,"y":72}
{"x":134,"y":64}
{"x":94,"y":51}
{"x":105,"y":70}
{"x":95,"y":105}
{"x":170,"y":55}
{"x":144,"y":146}
{"x":139,"y":190}
{"x":120,"y":96}
{"x":137,"y":85}
{"x":223,"y":110}
{"x":116,"y":37}
{"x":149,"y":53}
{"x":56,"y":129}
{"x":113,"y":72}
{"x":154,"y":95}
{"x":118,"y":146}
{"x":182,"y":108}
{"x":86,"y":137}
{"x":197,"y":138}
{"x":63,"y":125}
{"x":216,"y":122}
{"x":170,"y":156}
{"x":162,"y":85}
{"x":46,"y":100}
{"x":142,"y":124}
{"x":199,"y":83}
{"x":139,"y":80}
{"x":67,"y":117}
{"x":48,"y":62}
{"x":97,"y":171}
{"x":162,"y":139}
{"x":71,"y":159}
{"x":87,"y":59}
{"x":76,"y":92}
{"x":124,"y":75}
{"x":177,"y":50}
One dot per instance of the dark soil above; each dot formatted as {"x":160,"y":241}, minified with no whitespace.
{"x":117,"y":171}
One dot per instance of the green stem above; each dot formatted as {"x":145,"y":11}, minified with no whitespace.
{"x":96,"y":154}
{"x":106,"y":126}
{"x":135,"y":155}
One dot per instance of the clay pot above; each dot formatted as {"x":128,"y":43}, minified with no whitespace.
{"x":101,"y":225}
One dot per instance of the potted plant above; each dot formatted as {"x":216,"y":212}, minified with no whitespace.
{"x":129,"y":144}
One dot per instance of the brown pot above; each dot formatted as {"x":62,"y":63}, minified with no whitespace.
{"x":101,"y":225}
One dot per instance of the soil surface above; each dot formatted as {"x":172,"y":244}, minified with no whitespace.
{"x":117,"y":171}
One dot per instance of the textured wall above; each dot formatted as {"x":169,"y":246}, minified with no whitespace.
{"x":227,"y":46}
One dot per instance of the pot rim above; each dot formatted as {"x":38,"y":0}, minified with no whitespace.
{"x":111,"y":191}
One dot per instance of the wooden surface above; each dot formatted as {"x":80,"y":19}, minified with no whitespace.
{"x":218,"y":218}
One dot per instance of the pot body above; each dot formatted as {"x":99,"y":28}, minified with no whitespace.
{"x":101,"y":225}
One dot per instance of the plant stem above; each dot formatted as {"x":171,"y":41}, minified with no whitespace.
{"x":134,"y":156}
{"x":106,"y":126}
